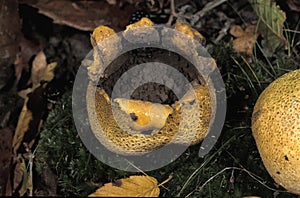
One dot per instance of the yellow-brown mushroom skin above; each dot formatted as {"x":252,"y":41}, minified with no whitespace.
{"x":184,"y":122}
{"x":144,"y":22}
{"x":189,"y":31}
{"x":276,"y":129}
{"x":113,"y":129}
{"x":100,"y":36}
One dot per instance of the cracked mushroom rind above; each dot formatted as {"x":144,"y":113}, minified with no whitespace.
{"x":120,"y":138}
{"x":187,"y":124}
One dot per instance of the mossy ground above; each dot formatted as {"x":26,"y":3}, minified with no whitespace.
{"x":232,"y":169}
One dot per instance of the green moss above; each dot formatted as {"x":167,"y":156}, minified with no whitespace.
{"x":79,"y":172}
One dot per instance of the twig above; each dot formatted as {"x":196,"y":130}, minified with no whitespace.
{"x":31,"y":174}
{"x":231,"y":181}
{"x":167,"y":180}
{"x":172,"y":13}
{"x":225,"y":28}
{"x":209,"y":6}
{"x":30,"y":157}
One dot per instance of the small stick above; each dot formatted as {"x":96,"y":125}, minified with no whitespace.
{"x":172,"y":14}
{"x":30,"y":157}
{"x":209,"y":6}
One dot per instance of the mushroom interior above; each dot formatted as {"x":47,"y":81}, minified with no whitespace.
{"x":187,"y":123}
{"x":149,"y":91}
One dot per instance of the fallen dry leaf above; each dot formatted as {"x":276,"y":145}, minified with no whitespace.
{"x":21,"y":177}
{"x":6,"y":135}
{"x":27,"y":127}
{"x":22,"y":126}
{"x":245,"y":39}
{"x":294,"y":5}
{"x":39,"y":66}
{"x":19,"y":171}
{"x":28,"y":49}
{"x":236,"y":31}
{"x":84,"y":15}
{"x":134,"y":186}
{"x":49,"y":72}
{"x":23,"y":93}
{"x":26,"y":115}
{"x":9,"y":39}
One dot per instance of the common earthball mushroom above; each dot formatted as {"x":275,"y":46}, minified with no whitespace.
{"x":276,"y":129}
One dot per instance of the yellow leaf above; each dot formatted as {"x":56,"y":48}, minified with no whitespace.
{"x":49,"y":72}
{"x":22,"y":126}
{"x":134,"y":186}
{"x":26,"y":115}
{"x":26,"y":177}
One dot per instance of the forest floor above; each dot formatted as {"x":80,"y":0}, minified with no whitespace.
{"x":63,"y":166}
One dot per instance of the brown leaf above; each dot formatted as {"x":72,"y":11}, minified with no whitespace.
{"x":6,"y":135}
{"x":245,"y":40}
{"x":9,"y":29}
{"x":294,"y":5}
{"x":23,"y":93}
{"x":27,"y":50}
{"x":26,"y":115}
{"x":21,"y":177}
{"x":19,"y":171}
{"x":9,"y":39}
{"x":236,"y":31}
{"x":22,"y":126}
{"x":134,"y":186}
{"x":84,"y":15}
{"x":250,"y":29}
{"x":39,"y":66}
{"x":111,"y":2}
